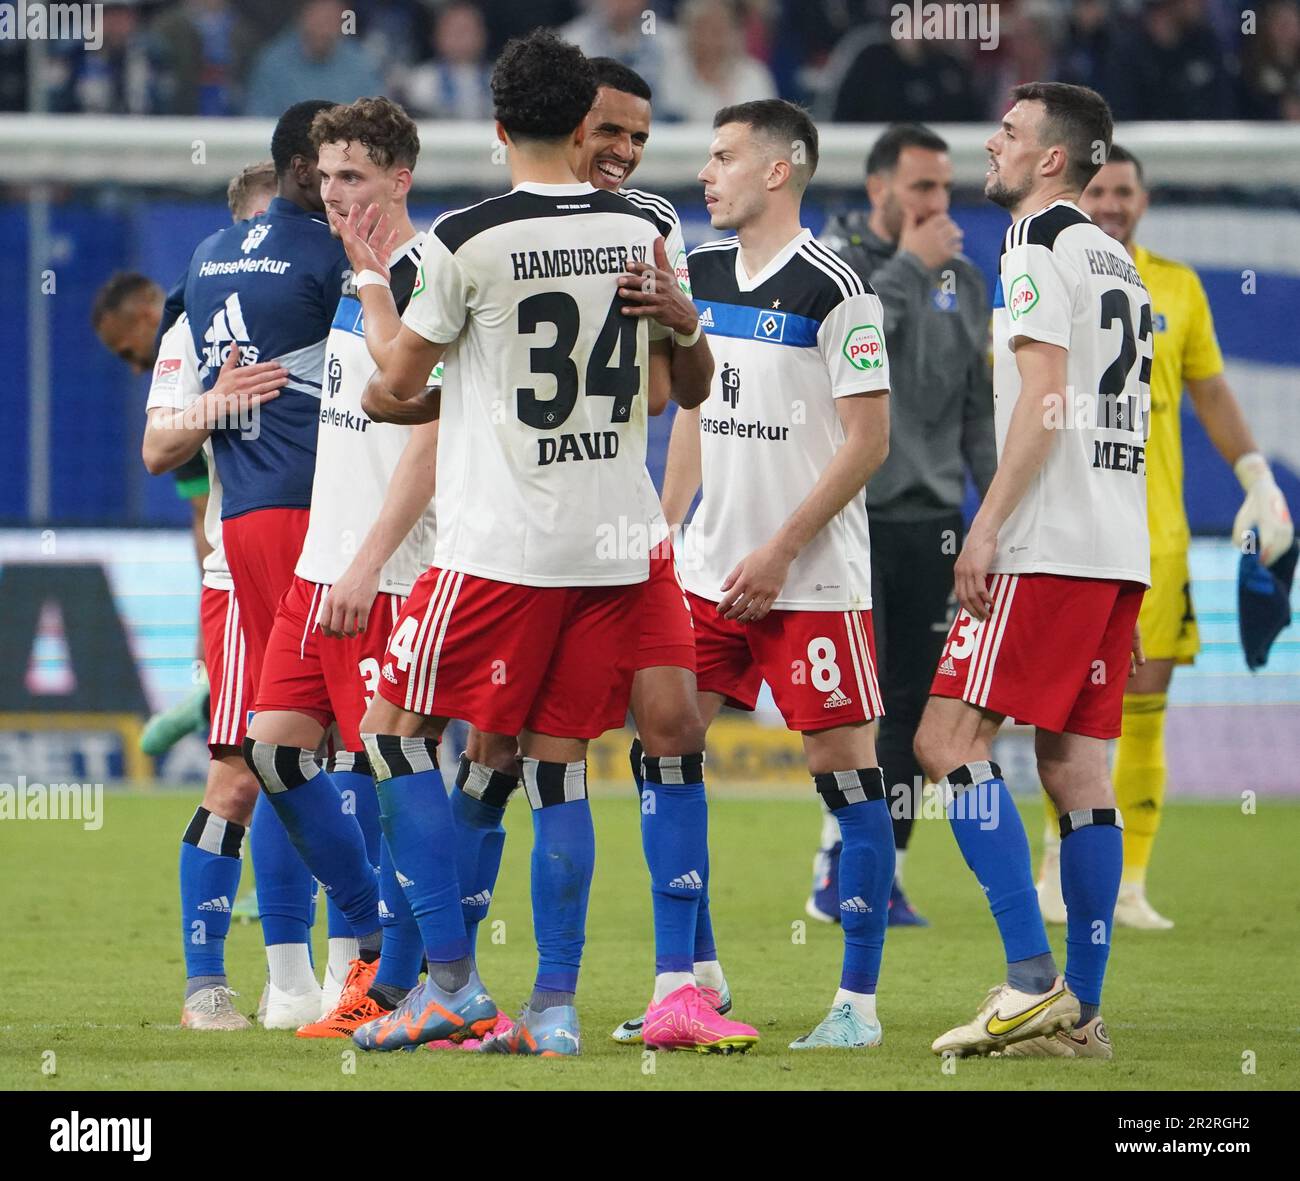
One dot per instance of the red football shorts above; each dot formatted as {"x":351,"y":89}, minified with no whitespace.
{"x":262,"y":548}
{"x":505,"y":658}
{"x":331,"y":680}
{"x":1054,"y":652}
{"x":667,"y":633}
{"x":820,"y":665}
{"x":229,"y":676}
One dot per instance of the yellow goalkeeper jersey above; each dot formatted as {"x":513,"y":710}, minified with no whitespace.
{"x":1185,"y":349}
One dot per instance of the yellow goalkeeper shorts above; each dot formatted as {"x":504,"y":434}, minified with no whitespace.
{"x":1168,"y":619}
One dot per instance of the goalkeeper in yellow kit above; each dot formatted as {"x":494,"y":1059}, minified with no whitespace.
{"x":1186,"y":356}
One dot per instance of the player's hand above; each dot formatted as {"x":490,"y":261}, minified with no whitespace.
{"x":238,"y":389}
{"x":934,"y":241}
{"x":367,"y":237}
{"x":345,"y":610}
{"x":970,"y":574}
{"x":753,"y":586}
{"x":1264,"y":509}
{"x":652,"y":290}
{"x":1139,"y":658}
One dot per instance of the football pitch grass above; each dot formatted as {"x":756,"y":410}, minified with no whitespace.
{"x":90,"y":984}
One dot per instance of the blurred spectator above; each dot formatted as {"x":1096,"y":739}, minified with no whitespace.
{"x":455,"y":84}
{"x":630,"y":31}
{"x":1026,"y":52}
{"x":311,"y":59}
{"x":1086,"y":44}
{"x":1170,"y":65}
{"x":714,"y":70}
{"x":394,"y":33}
{"x":117,"y":79}
{"x":202,"y":50}
{"x":874,"y":77}
{"x":1270,"y":63}
{"x":510,"y":18}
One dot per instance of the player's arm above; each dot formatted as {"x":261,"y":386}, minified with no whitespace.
{"x":1029,"y":440}
{"x":346,"y":608}
{"x":173,"y":435}
{"x":1264,"y":508}
{"x":682,"y":471}
{"x":754,"y":585}
{"x":651,"y":290}
{"x":404,"y":375}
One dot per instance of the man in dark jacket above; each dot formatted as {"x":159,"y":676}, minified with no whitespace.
{"x":936,"y":322}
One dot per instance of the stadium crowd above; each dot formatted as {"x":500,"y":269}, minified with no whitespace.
{"x":848,"y":60}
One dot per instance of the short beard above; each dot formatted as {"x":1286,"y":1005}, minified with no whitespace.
{"x":1005,"y":197}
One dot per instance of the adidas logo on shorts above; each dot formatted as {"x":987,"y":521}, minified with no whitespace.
{"x":389,"y":675}
{"x":947,"y":668}
{"x":855,"y":905}
{"x":222,"y":904}
{"x":688,"y":881}
{"x":482,"y":898}
{"x":835,"y":699}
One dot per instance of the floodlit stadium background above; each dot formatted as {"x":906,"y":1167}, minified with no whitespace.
{"x":88,"y":539}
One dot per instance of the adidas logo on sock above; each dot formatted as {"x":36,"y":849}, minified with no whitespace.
{"x":855,"y":905}
{"x":222,"y":904}
{"x":389,"y":675}
{"x":482,"y":898}
{"x":947,"y":668}
{"x":403,"y":880}
{"x":835,"y":699}
{"x":688,"y":881}
{"x":706,"y":318}
{"x":384,"y":912}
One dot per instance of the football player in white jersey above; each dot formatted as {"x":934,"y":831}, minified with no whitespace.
{"x":527,"y":622}
{"x":670,"y":733}
{"x":1051,"y":575}
{"x":776,"y":562}
{"x":369,"y":536}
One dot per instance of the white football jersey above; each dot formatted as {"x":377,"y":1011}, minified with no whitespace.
{"x":1064,"y":281}
{"x":541,"y":452}
{"x":174,"y":386}
{"x":803,"y":332}
{"x":355,"y":457}
{"x":670,"y":229}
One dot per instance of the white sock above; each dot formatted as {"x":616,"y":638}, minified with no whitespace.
{"x":830,"y":826}
{"x":864,"y":1003}
{"x":708,"y":974}
{"x":899,"y":855}
{"x":668,"y":982}
{"x":342,"y":952}
{"x":290,"y":967}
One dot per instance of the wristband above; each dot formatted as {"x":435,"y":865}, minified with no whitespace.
{"x":687,"y":342}
{"x":366,"y":278}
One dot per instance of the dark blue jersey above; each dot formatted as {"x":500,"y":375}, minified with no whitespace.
{"x":269,"y":285}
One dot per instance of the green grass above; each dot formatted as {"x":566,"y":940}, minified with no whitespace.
{"x":91,"y":965}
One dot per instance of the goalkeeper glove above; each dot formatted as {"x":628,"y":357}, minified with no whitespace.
{"x":1264,"y":509}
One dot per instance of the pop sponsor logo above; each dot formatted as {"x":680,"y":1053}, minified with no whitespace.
{"x":683,"y":273}
{"x":1023,"y":296}
{"x":865,"y":347}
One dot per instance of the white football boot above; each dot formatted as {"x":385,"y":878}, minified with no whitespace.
{"x":1008,"y":1016}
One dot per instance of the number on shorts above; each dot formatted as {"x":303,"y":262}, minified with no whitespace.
{"x":399,"y":644}
{"x":963,"y":641}
{"x":825,"y":672}
{"x":369,"y":670}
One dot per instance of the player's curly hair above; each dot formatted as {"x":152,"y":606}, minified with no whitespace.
{"x":387,"y":132}
{"x":542,"y":87}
